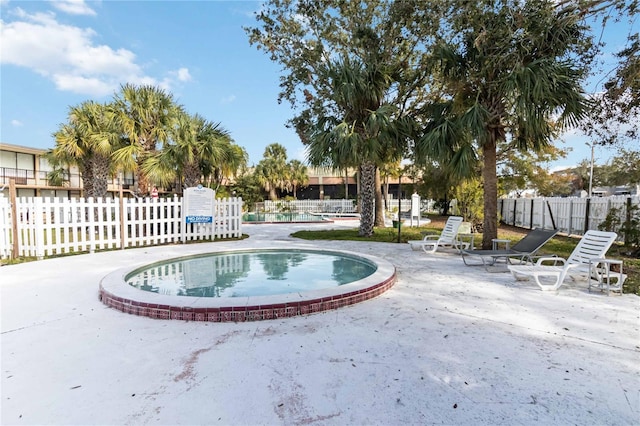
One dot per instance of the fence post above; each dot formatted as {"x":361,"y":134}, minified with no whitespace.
{"x":531,"y":216}
{"x":586,"y":215}
{"x":91,"y":223}
{"x":627,"y":235}
{"x":553,"y":222}
{"x":14,"y":218}
{"x":38,"y":218}
{"x":515,"y":207}
{"x":570,"y":227}
{"x":121,"y":216}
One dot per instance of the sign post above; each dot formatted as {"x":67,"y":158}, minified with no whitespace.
{"x":415,"y":208}
{"x":197,"y":207}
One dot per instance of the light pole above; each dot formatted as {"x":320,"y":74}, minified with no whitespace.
{"x":592,"y":145}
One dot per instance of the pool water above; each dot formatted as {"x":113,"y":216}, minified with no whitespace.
{"x":282,"y":217}
{"x":251,"y":273}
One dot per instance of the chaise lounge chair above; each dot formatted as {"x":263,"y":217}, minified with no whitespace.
{"x":592,"y":247}
{"x":448,"y":237}
{"x":523,"y":251}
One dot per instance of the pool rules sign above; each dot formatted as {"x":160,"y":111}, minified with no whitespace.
{"x":197,"y":205}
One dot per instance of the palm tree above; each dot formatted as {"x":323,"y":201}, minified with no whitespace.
{"x":358,"y":129}
{"x":511,"y":79}
{"x":272,"y":170}
{"x":389,"y":170}
{"x":59,"y":173}
{"x":87,"y":140}
{"x":236,"y":162}
{"x":297,"y":175}
{"x":147,"y":114}
{"x":194,"y":145}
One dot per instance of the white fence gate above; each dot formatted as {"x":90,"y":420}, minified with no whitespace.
{"x":573,"y":216}
{"x":52,"y":226}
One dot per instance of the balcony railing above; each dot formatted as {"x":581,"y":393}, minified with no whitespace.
{"x":21,"y":176}
{"x":71,"y":180}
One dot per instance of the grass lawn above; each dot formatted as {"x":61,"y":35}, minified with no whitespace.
{"x":559,"y":245}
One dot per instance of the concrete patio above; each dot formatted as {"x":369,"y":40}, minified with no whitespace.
{"x":448,"y":344}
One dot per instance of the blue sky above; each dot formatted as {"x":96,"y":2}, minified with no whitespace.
{"x":56,"y":54}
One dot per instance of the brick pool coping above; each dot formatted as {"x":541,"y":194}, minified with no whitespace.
{"x":116,"y":293}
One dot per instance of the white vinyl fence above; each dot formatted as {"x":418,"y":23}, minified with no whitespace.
{"x":573,"y":216}
{"x":52,"y":226}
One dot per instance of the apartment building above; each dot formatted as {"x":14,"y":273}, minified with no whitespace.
{"x":30,"y":170}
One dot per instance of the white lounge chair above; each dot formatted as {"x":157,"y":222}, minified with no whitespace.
{"x":448,"y":237}
{"x":592,"y":246}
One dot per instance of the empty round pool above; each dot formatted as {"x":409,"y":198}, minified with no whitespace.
{"x":247,"y":285}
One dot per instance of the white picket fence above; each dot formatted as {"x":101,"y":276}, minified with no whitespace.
{"x":573,"y":216}
{"x":54,"y":226}
{"x":308,"y":206}
{"x":336,"y":206}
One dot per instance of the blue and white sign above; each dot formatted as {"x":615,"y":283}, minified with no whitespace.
{"x":199,"y":219}
{"x":198,"y":205}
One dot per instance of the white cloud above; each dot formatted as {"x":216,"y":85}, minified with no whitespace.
{"x":181,"y":74}
{"x":73,"y":7}
{"x":82,"y":85}
{"x":16,"y":123}
{"x":228,"y":99}
{"x":69,"y":56}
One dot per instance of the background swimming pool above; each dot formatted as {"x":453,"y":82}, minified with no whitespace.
{"x":282,"y":217}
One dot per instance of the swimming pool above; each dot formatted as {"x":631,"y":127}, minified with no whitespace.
{"x":309,"y":288}
{"x":282,"y":217}
{"x":251,"y":273}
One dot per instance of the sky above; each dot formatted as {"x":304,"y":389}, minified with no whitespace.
{"x":57,"y":54}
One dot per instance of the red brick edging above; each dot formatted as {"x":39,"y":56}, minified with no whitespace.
{"x":244,"y":313}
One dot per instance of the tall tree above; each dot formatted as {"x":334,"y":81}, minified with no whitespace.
{"x":272,"y":170}
{"x":297,"y":176}
{"x":388,"y":171}
{"x":217,"y":173}
{"x":88,"y":139}
{"x":626,"y":166}
{"x":147,"y":114}
{"x":382,"y":38}
{"x":513,"y":72}
{"x":615,"y":118}
{"x":360,"y":131}
{"x":194,"y":145}
{"x":519,"y":171}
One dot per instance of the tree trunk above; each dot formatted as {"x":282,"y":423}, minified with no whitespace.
{"x":100,"y":175}
{"x":346,"y":184}
{"x":86,"y":172}
{"x":367,"y":198}
{"x":191,"y":174}
{"x":385,"y":193}
{"x":142,"y":182}
{"x":358,"y":191}
{"x":379,"y":205}
{"x":490,"y":179}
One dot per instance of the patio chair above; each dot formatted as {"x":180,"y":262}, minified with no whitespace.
{"x":448,"y":237}
{"x":591,"y":248}
{"x":522,"y":251}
